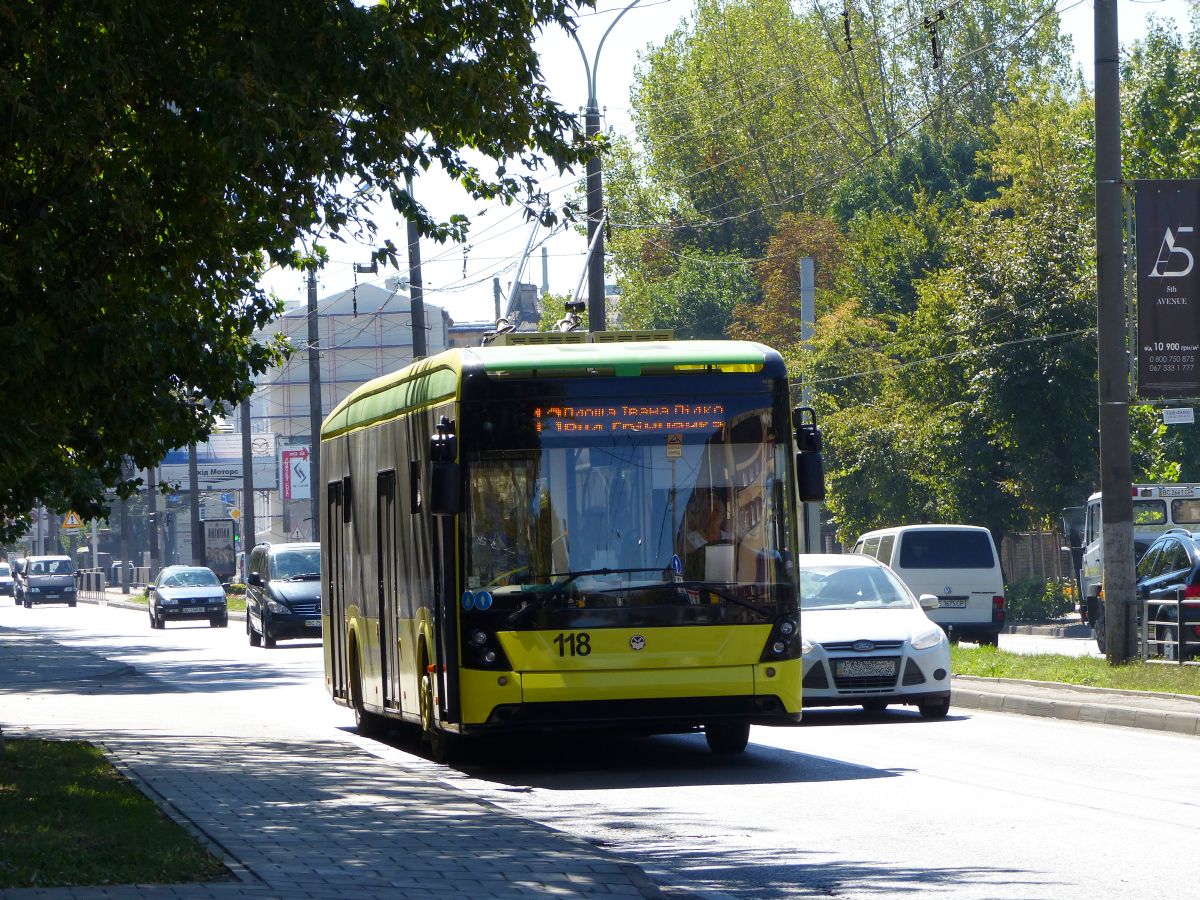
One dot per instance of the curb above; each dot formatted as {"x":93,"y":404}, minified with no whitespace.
{"x":1062,"y":631}
{"x":1056,"y":701}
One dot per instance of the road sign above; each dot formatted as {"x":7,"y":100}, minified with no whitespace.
{"x":297,"y":535}
{"x":235,"y":514}
{"x":71,"y":522}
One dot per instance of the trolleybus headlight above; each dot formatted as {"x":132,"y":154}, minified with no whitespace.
{"x":479,"y":638}
{"x":787,"y":628}
{"x":489,"y":656}
{"x":778,"y":647}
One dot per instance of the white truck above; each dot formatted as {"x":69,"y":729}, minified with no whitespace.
{"x":1156,"y":507}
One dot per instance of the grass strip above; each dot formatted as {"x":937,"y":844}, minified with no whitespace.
{"x":988,"y":662}
{"x":67,"y":817}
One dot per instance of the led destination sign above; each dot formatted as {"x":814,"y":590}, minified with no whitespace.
{"x":629,"y":419}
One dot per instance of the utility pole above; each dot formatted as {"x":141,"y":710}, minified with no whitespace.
{"x":808,"y":317}
{"x":1116,"y":475}
{"x":194,"y":503}
{"x":314,"y":405}
{"x":415,"y":288}
{"x":152,"y":515}
{"x":247,"y":523}
{"x":595,"y":183}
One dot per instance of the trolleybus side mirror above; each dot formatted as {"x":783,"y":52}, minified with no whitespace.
{"x":445,"y":475}
{"x":810,"y":466}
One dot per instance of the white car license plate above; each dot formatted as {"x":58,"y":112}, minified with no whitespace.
{"x":193,"y":609}
{"x":312,"y":623}
{"x":952,"y":602}
{"x":866,"y":668}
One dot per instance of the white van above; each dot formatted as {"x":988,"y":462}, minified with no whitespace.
{"x":956,"y":563}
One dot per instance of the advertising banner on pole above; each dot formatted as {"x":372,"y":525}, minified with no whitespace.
{"x":1168,"y":288}
{"x":295,"y":473}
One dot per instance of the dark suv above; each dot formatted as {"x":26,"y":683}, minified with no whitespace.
{"x":283,"y":593}
{"x":1170,"y":571}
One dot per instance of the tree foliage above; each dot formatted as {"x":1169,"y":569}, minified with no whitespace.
{"x":155,"y":157}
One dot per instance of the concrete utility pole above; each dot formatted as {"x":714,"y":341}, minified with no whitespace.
{"x":808,"y":318}
{"x":194,"y":503}
{"x":248,"y":526}
{"x":595,"y":183}
{"x":416,"y":292}
{"x":1116,"y":475}
{"x":152,"y":515}
{"x":314,"y":405}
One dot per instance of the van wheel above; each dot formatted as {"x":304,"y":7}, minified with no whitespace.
{"x":727,"y":738}
{"x":989,"y":640}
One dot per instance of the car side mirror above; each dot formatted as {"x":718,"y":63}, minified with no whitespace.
{"x":929,"y":601}
{"x":149,"y":589}
{"x":254,"y":579}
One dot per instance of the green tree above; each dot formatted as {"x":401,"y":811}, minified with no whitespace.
{"x":157,"y":156}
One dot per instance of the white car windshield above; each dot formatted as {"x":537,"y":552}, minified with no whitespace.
{"x":852,"y":587}
{"x":191,"y":578}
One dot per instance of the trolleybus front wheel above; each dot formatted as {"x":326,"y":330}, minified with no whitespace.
{"x":727,"y":737}
{"x":442,"y":744}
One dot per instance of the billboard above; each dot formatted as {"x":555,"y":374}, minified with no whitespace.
{"x":219,"y":554}
{"x":1168,"y":288}
{"x":219,"y":463}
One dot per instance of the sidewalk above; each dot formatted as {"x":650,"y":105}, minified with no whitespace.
{"x":318,"y":818}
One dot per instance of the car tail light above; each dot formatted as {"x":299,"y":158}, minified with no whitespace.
{"x":1191,"y":592}
{"x":998,"y":610}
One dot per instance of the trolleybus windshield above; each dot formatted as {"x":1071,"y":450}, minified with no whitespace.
{"x":593,"y":513}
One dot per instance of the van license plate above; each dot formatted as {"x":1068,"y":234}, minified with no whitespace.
{"x":193,"y":609}
{"x":868,"y":668}
{"x":312,"y":623}
{"x":952,"y":602}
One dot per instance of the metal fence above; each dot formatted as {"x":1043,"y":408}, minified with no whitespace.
{"x":1165,"y":638}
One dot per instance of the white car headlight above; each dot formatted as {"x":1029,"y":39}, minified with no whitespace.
{"x":806,"y":646}
{"x":930,"y":637}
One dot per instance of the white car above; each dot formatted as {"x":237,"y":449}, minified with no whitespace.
{"x":867,"y":641}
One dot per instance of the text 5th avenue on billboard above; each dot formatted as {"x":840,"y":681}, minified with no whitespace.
{"x":1168,"y":289}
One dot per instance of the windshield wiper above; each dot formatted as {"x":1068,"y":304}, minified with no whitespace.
{"x":721,"y":591}
{"x":544,"y":594}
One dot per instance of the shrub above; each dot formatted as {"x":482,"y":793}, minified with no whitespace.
{"x":1038,"y":601}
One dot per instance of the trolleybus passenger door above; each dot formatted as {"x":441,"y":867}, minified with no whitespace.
{"x":385,"y":572}
{"x":445,"y":503}
{"x":335,"y":605}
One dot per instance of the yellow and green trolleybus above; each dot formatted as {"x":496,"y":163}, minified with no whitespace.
{"x":593,"y":534}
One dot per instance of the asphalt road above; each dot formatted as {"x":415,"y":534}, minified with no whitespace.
{"x":979,"y":805}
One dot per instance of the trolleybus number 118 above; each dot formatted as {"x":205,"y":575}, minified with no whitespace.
{"x":574,"y":644}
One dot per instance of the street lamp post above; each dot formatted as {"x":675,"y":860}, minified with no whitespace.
{"x":595,"y":182}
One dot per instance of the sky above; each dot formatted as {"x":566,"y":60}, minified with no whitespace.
{"x":459,"y":277}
